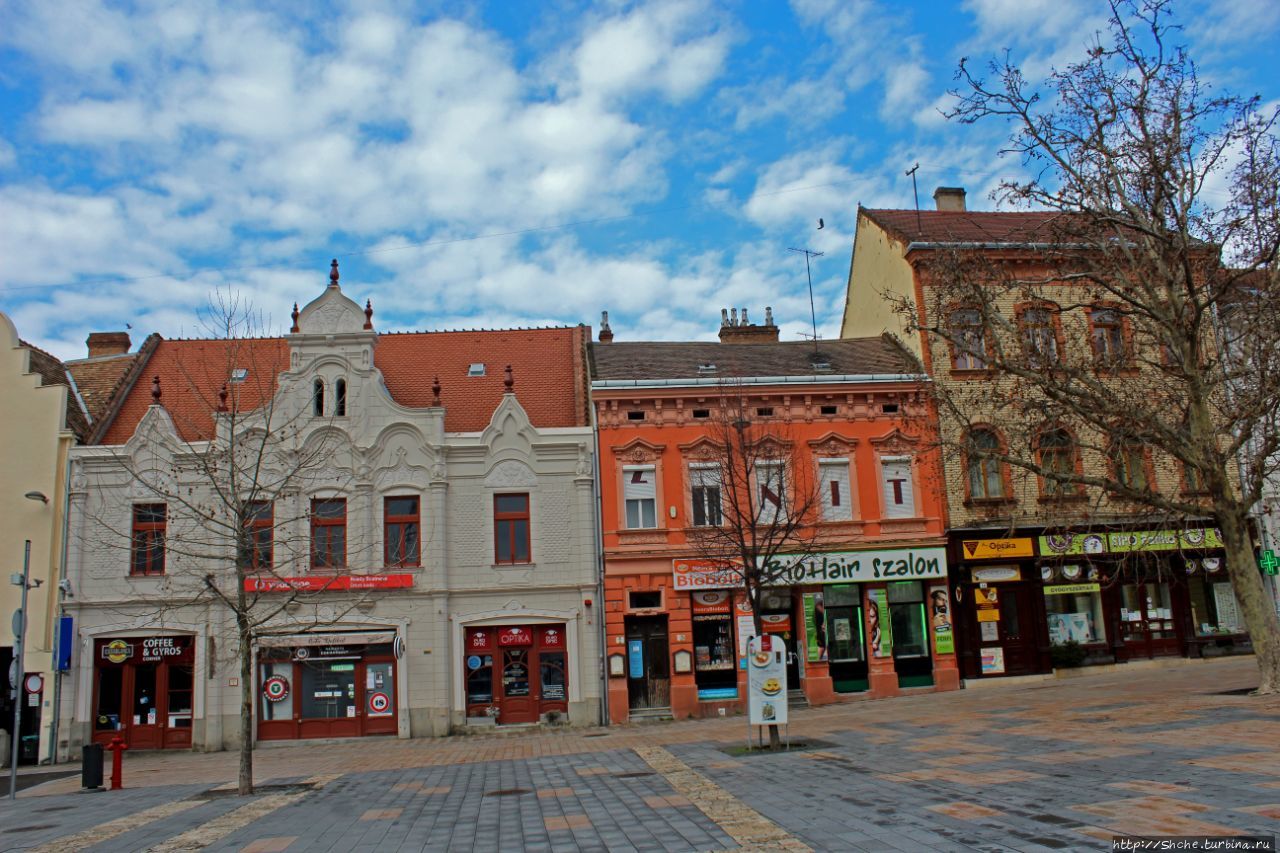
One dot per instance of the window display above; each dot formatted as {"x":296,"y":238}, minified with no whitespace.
{"x":1074,"y":613}
{"x":844,"y":624}
{"x":714,"y":659}
{"x":907,"y":616}
{"x":1214,"y":608}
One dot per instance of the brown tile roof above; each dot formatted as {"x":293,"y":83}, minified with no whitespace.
{"x":968,"y":226}
{"x":98,"y":378}
{"x":658,"y":360}
{"x":53,"y":372}
{"x":547,"y":366}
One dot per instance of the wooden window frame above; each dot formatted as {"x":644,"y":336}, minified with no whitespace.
{"x":1119,"y":452}
{"x":1053,"y":324}
{"x":147,"y":542}
{"x":1102,"y":361}
{"x":1069,"y":491}
{"x":388,"y":519}
{"x":255,"y":525}
{"x":695,"y":504}
{"x":959,"y":353}
{"x":1002,"y":469}
{"x":499,"y":517}
{"x":326,"y":523}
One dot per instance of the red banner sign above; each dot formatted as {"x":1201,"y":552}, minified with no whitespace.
{"x":320,"y":583}
{"x":553,"y":637}
{"x":515,"y":637}
{"x":477,"y":638}
{"x":710,"y":601}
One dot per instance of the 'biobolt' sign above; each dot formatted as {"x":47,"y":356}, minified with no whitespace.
{"x":767,"y":681}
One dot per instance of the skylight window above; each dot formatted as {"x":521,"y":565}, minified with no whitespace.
{"x":476,"y":369}
{"x":239,"y":374}
{"x":704,"y":369}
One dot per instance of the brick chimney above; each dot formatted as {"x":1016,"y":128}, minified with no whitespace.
{"x":735,"y":330}
{"x":606,"y":334}
{"x":107,"y":343}
{"x":949,"y":198}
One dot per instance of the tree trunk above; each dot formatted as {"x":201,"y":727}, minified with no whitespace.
{"x":246,"y":704}
{"x":1255,"y":606}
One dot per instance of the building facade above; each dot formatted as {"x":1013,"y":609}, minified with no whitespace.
{"x":677,"y":627}
{"x":417,"y":551}
{"x":1047,"y":574}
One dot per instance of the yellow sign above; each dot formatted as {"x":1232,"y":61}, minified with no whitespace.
{"x":1072,"y":588}
{"x":996,"y":549}
{"x":989,"y":614}
{"x":117,"y":651}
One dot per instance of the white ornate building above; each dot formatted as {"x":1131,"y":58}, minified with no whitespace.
{"x":422,"y":545}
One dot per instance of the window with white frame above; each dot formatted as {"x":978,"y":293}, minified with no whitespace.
{"x":640,"y":495}
{"x":770,"y":491}
{"x":835,"y":490}
{"x":704,"y":483}
{"x":897,"y":488}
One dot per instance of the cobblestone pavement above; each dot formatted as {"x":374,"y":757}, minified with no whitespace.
{"x":1057,"y":764}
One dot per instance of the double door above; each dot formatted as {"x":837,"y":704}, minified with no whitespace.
{"x":1147,"y":622}
{"x":648,"y":663}
{"x":148,"y":705}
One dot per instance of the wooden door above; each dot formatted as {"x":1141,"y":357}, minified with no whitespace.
{"x":146,"y":726}
{"x":1147,"y":620}
{"x":518,"y":686}
{"x":379,"y":697}
{"x":648,"y":663}
{"x":1019,"y":627}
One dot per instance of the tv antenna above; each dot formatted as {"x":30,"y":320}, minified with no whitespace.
{"x":915,"y":192}
{"x":813,"y":314}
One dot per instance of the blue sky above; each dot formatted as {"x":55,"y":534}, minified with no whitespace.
{"x":486,"y":165}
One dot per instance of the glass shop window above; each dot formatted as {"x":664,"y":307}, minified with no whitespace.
{"x":277,"y":691}
{"x":328,"y":689}
{"x":479,"y":679}
{"x":844,"y":624}
{"x":907,"y":616}
{"x":1075,"y":617}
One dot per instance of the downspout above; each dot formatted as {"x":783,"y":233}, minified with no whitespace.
{"x":61,"y":584}
{"x":599,"y":536}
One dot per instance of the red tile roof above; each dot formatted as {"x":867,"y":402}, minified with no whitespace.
{"x":97,"y":379}
{"x":968,"y":226}
{"x":550,"y":378}
{"x":54,"y":372}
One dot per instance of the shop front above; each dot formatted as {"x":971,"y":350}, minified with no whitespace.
{"x":516,"y":673}
{"x":143,"y":691}
{"x":1033,"y":604}
{"x":327,"y":686}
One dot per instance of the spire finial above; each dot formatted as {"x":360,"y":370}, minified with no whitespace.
{"x":295,"y":329}
{"x":333,"y":273}
{"x":222,"y":398}
{"x":435,"y":390}
{"x":155,"y":390}
{"x":510,"y":381}
{"x":368,"y":313}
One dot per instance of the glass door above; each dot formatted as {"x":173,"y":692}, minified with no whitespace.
{"x":1146,"y":619}
{"x":145,"y":724}
{"x":328,"y":702}
{"x":379,"y":698}
{"x":108,"y":719}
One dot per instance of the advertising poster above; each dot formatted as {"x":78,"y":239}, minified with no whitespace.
{"x":767,"y":681}
{"x":993,"y":661}
{"x":940,"y":620}
{"x":878,"y":633}
{"x":815,"y":626}
{"x":1224,"y":598}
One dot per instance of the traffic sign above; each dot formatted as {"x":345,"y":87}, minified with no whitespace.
{"x":1269,"y":563}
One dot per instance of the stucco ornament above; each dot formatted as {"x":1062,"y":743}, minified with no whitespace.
{"x":401,"y":472}
{"x":511,"y":473}
{"x":584,"y":461}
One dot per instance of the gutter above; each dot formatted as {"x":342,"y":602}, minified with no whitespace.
{"x":703,"y":381}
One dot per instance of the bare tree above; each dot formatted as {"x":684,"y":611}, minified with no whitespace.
{"x":756,"y":502}
{"x":1108,"y":322}
{"x":225,"y":466}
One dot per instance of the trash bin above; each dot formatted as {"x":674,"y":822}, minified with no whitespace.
{"x":91,"y":766}
{"x":29,"y":749}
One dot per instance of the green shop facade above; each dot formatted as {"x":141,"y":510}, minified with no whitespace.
{"x":1042,"y":600}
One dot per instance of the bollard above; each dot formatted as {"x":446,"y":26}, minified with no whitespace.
{"x":117,"y":746}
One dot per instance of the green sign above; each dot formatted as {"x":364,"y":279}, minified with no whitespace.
{"x":879,"y":628}
{"x":815,"y":627}
{"x":1074,"y":544}
{"x":1072,"y":588}
{"x":1270,"y":565}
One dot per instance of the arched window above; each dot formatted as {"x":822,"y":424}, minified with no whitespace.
{"x":968,"y":339}
{"x":1057,"y":451}
{"x":317,"y":398}
{"x":340,"y":398}
{"x":986,"y":480}
{"x":1129,"y":462}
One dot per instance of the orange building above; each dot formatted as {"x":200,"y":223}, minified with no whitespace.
{"x":676,"y":633}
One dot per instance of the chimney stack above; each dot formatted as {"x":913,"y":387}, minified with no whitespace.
{"x":949,"y":199}
{"x":107,"y":343}
{"x":739,"y":330}
{"x":606,"y":334}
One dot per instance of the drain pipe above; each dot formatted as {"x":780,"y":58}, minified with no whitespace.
{"x":599,"y":537}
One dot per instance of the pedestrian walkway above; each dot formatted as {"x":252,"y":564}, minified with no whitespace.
{"x":1053,"y":765}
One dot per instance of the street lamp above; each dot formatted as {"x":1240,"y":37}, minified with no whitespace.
{"x":19,"y":650}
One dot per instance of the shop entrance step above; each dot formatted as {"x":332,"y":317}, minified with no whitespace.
{"x":797,"y":699}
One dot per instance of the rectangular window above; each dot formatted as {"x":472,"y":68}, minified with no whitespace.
{"x":1039,"y":337}
{"x":146,"y":556}
{"x":329,"y":533}
{"x":511,"y":528}
{"x":640,"y":494}
{"x":1130,"y":461}
{"x":401,"y":524}
{"x":836,"y":489}
{"x":705,"y":482}
{"x":1106,"y":331}
{"x":907,"y":615}
{"x":896,"y":487}
{"x":968,"y":340}
{"x":771,"y":493}
{"x":259,"y":524}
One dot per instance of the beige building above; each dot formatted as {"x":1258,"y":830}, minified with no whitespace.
{"x":1045,"y":570}
{"x":421,"y":548}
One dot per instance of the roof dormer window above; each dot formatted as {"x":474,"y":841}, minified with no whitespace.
{"x":239,"y":374}
{"x":706,"y":369}
{"x":476,"y":369}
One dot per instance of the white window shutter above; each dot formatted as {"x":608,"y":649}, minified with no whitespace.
{"x":639,"y":483}
{"x":897,"y":487}
{"x":704,"y":474}
{"x":836,"y":490}
{"x":771,"y":490}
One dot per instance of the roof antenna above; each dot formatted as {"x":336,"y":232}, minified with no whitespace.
{"x":809,"y":253}
{"x":915,"y":192}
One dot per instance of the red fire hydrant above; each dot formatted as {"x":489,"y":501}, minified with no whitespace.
{"x":117,"y":746}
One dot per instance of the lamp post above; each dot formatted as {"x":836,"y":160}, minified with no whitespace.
{"x":19,"y":651}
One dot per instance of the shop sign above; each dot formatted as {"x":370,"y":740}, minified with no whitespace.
{"x":940,"y":621}
{"x":515,"y":636}
{"x":691,"y":574}
{"x":477,"y":638}
{"x":815,"y":627}
{"x":767,"y":681}
{"x":379,"y":705}
{"x":706,"y":602}
{"x":996,"y":574}
{"x":1124,"y":543}
{"x":878,"y":631}
{"x":117,"y":651}
{"x":995,"y":549}
{"x":327,"y":652}
{"x":276,"y":688}
{"x":1268,"y":562}
{"x":993,"y":661}
{"x":1072,"y":588}
{"x":836,"y":567}
{"x":160,"y":648}
{"x":553,"y":637}
{"x":776,"y":623}
{"x":321,"y":583}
